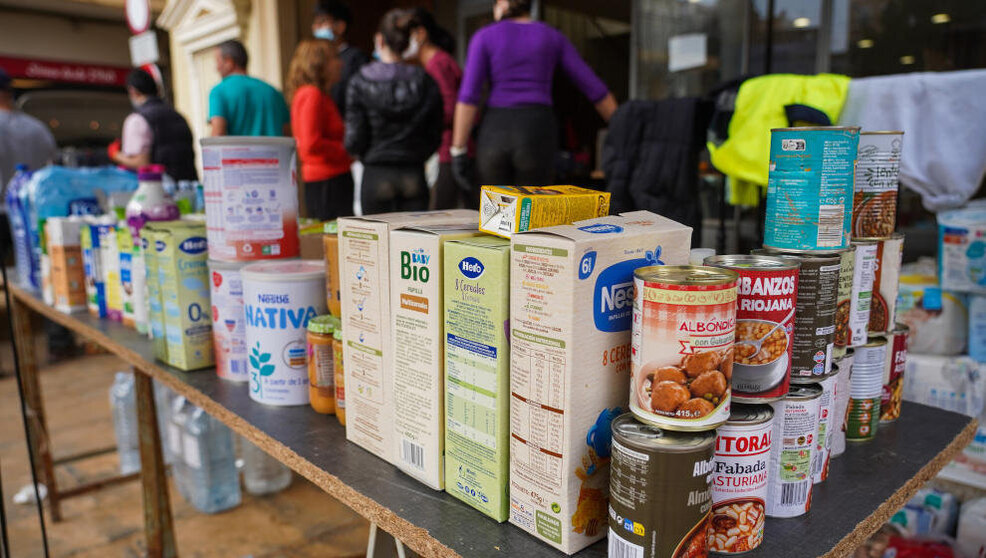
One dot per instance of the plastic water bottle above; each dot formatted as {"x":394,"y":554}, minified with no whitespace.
{"x":181,"y":409}
{"x":207,"y":450}
{"x":149,"y":202}
{"x":162,"y":404}
{"x":123,"y":399}
{"x":262,"y":474}
{"x":18,"y":228}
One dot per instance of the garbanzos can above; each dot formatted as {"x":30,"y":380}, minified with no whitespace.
{"x":739,"y":479}
{"x":826,"y":425}
{"x":767,"y":291}
{"x":810,"y":188}
{"x":847,"y":265}
{"x":866,"y":390}
{"x":886,"y":284}
{"x":659,"y":495}
{"x":874,"y":212}
{"x":842,"y":391}
{"x":862,"y":291}
{"x":795,"y":429}
{"x":893,"y":374}
{"x":684,"y":321}
{"x":814,"y":323}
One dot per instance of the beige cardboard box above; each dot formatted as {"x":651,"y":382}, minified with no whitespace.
{"x":64,"y":238}
{"x":571,"y":310}
{"x":364,"y":268}
{"x":417,"y":310}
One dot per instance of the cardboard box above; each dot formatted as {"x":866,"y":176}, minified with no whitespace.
{"x":364,"y":268}
{"x":155,"y":304}
{"x":418,"y":356}
{"x":571,"y":311}
{"x":64,"y":238}
{"x":125,"y":245}
{"x":92,"y":265}
{"x":477,"y":373}
{"x":109,"y":250}
{"x":505,"y":210}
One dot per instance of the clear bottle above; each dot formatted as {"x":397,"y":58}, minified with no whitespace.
{"x":180,"y":411}
{"x":18,"y":227}
{"x":149,"y":202}
{"x":123,"y":400}
{"x":262,"y":474}
{"x":162,"y":404}
{"x":207,"y":449}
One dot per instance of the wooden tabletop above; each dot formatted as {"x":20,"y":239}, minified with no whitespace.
{"x":866,"y":486}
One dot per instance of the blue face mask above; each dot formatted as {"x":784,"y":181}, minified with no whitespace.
{"x":325,"y":33}
{"x":376,"y":54}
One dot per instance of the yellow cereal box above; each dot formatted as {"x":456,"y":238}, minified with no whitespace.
{"x":505,"y":210}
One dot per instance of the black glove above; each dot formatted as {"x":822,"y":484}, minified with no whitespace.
{"x":464,"y":174}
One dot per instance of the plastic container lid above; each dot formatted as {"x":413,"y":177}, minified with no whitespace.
{"x":332,"y":227}
{"x":324,"y":325}
{"x":285,"y":271}
{"x":150,"y":172}
{"x":338,"y":333}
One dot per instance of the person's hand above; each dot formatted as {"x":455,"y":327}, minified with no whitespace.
{"x":463,"y":172}
{"x":113,"y":149}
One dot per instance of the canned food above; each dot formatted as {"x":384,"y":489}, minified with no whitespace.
{"x":886,"y":284}
{"x":874,"y":212}
{"x":795,"y":429}
{"x":684,"y":322}
{"x":826,"y":424}
{"x":842,"y":391}
{"x":767,"y":291}
{"x":228,"y":326}
{"x":847,"y":266}
{"x":814,"y":322}
{"x":893,"y":374}
{"x":739,"y":479}
{"x":810,"y":188}
{"x":866,"y":390}
{"x":862,"y":291}
{"x":659,"y":490}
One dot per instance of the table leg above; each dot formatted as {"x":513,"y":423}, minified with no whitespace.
{"x":381,"y":544}
{"x":158,"y":524}
{"x":40,"y":444}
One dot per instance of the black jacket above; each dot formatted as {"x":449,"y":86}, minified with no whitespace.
{"x":650,"y":158}
{"x":172,"y":139}
{"x":393,"y":115}
{"x":352,"y":60}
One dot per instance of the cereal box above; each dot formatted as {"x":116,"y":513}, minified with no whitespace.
{"x":364,"y":270}
{"x":64,"y":237}
{"x":92,"y":265}
{"x":571,"y":312}
{"x":505,"y":210}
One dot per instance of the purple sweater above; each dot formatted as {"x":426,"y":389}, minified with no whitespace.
{"x":519,"y":61}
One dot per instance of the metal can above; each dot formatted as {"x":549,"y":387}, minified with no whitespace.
{"x":842,"y":391}
{"x":767,"y":291}
{"x":739,"y":479}
{"x":659,"y":494}
{"x":826,"y":425}
{"x":893,"y":374}
{"x":228,"y":325}
{"x":866,"y":390}
{"x":684,"y":322}
{"x":810,"y":188}
{"x":814,"y":322}
{"x":847,"y":266}
{"x":862,"y":291}
{"x":886,"y":284}
{"x":874,"y":212}
{"x":795,"y":429}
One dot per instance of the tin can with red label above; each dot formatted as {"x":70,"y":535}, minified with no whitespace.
{"x":795,"y":430}
{"x":893,"y":374}
{"x":767,"y":291}
{"x":684,"y":322}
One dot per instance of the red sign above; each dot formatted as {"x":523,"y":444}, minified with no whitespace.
{"x":71,"y":72}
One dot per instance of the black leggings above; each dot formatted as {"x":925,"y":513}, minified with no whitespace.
{"x":327,"y":199}
{"x":389,"y":188}
{"x":517,"y":146}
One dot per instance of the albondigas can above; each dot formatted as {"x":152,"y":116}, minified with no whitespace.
{"x":886,"y":284}
{"x":893,"y":374}
{"x":739,"y":479}
{"x":810,"y":188}
{"x":862,"y":291}
{"x":847,"y":265}
{"x":795,"y":430}
{"x":767,"y":291}
{"x":874,"y":212}
{"x":684,"y":321}
{"x":659,"y":490}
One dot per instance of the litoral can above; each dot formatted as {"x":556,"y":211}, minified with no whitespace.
{"x":739,"y":479}
{"x":659,"y":490}
{"x":814,"y":322}
{"x":893,"y":374}
{"x":684,"y":322}
{"x":228,"y":322}
{"x":278,"y":300}
{"x":886,"y":284}
{"x":767,"y":291}
{"x":866,"y":390}
{"x":826,"y":425}
{"x":250,"y":188}
{"x":874,"y":212}
{"x":842,"y":391}
{"x":810,"y":188}
{"x":847,"y":266}
{"x":862,"y":291}
{"x":795,"y":429}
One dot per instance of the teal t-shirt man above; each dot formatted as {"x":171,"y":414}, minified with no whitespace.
{"x":241,"y":105}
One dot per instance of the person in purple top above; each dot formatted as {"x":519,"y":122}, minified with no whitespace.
{"x":518,"y":137}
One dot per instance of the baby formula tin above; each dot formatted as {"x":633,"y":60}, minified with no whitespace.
{"x":767,"y":291}
{"x":659,"y":490}
{"x":886,"y":284}
{"x":874,"y":212}
{"x":862,"y":291}
{"x":739,"y":479}
{"x":251,"y":198}
{"x":228,"y":324}
{"x":684,"y":322}
{"x":795,"y":431}
{"x":893,"y":374}
{"x":278,"y":300}
{"x":810,"y":188}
